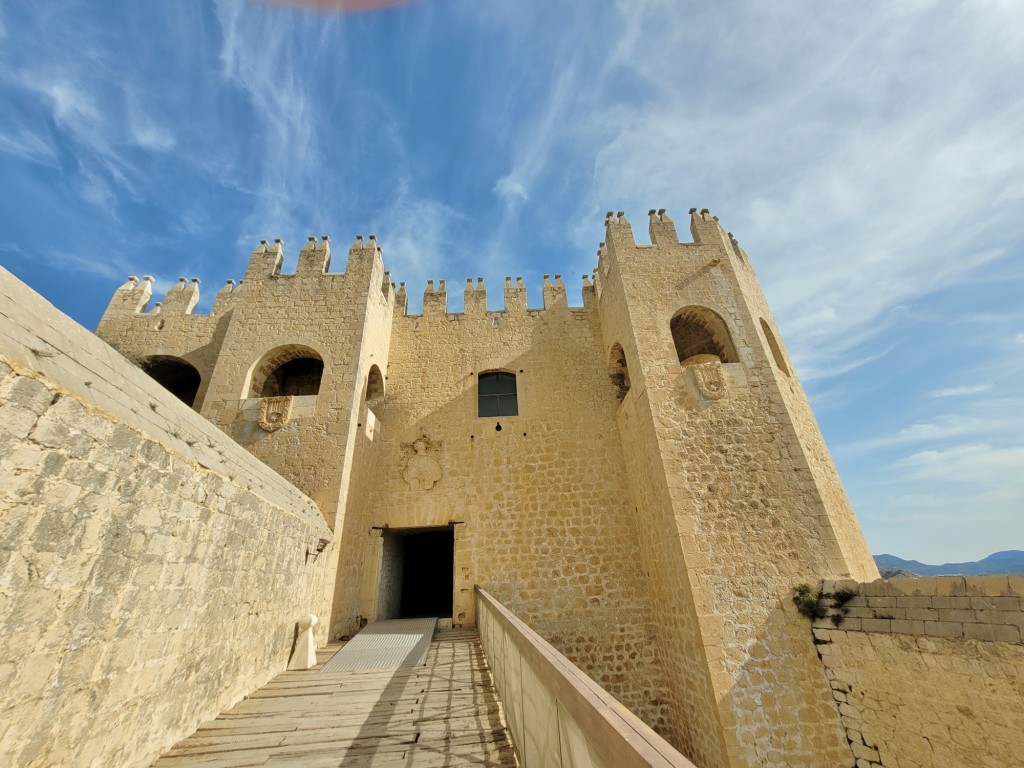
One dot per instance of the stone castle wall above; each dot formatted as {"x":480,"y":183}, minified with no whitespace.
{"x":542,"y":511}
{"x":151,"y":570}
{"x":271,"y":314}
{"x":647,"y":511}
{"x":928,"y":672}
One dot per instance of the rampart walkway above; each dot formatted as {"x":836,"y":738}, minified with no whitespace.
{"x":445,"y":713}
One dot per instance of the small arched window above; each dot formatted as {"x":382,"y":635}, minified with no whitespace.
{"x":699,"y":331}
{"x":293,"y":370}
{"x":374,"y":387}
{"x":618,"y":371}
{"x":178,"y":377}
{"x":773,"y":345}
{"x":497,"y":395}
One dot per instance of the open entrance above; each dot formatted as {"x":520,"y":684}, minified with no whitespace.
{"x":417,"y":576}
{"x":177,"y":376}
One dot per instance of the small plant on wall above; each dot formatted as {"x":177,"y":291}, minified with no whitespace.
{"x":809,"y":603}
{"x":818,"y":605}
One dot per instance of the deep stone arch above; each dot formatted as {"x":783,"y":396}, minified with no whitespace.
{"x":701,"y":331}
{"x":179,"y":377}
{"x":618,"y":371}
{"x":292,"y":369}
{"x":374,"y":388}
{"x":773,"y":345}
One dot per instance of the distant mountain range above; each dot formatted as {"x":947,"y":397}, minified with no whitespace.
{"x":1010,"y":561}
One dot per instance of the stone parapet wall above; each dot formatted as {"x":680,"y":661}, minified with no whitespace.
{"x":151,"y":570}
{"x":557,"y":715}
{"x":972,"y":607}
{"x":927,"y":672}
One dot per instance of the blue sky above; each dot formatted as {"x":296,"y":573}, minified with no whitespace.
{"x":868,"y":156}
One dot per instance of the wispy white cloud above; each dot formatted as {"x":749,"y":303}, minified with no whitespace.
{"x":961,"y":391}
{"x":86,"y":263}
{"x":932,"y":432}
{"x":145,"y":129}
{"x":511,"y":191}
{"x":102,"y":124}
{"x":286,"y":122}
{"x":67,"y":100}
{"x":969,"y":464}
{"x":28,"y":146}
{"x":819,"y":134}
{"x":421,"y":245}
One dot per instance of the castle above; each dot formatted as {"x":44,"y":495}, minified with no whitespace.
{"x":640,"y":479}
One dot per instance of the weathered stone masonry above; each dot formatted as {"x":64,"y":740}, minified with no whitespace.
{"x":929,"y":672}
{"x":151,"y":570}
{"x":647,"y":510}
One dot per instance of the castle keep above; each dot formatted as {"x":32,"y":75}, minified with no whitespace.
{"x":640,"y":480}
{"x":653,"y":487}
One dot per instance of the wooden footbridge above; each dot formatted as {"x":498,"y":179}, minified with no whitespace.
{"x":398,"y":698}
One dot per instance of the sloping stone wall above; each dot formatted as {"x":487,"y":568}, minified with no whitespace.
{"x":151,"y":570}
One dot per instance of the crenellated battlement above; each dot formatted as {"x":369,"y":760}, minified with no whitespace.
{"x":365,"y":259}
{"x":435,"y":299}
{"x":182,"y":298}
{"x":475,"y":297}
{"x":265,"y":261}
{"x":662,"y":228}
{"x":314,"y":258}
{"x":131,"y":297}
{"x":705,"y":230}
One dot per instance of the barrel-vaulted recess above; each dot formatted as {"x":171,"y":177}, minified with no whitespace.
{"x":618,"y":370}
{"x":178,"y":376}
{"x":374,"y":394}
{"x":701,"y":331}
{"x":291,"y":369}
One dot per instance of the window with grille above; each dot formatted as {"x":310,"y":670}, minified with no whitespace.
{"x":497,"y":394}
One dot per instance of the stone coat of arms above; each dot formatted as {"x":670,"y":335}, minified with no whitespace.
{"x":709,"y":377}
{"x":275,"y":412}
{"x":422,"y":470}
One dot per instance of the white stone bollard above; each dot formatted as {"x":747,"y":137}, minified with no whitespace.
{"x":305,"y":646}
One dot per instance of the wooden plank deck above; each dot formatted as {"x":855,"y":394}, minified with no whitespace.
{"x":445,"y":713}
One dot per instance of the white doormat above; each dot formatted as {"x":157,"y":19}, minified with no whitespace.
{"x":385,"y":644}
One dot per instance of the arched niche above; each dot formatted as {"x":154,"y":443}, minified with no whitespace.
{"x":293,"y":369}
{"x":701,"y":331}
{"x":773,"y":345}
{"x":374,"y":388}
{"x":618,"y":371}
{"x":177,"y":376}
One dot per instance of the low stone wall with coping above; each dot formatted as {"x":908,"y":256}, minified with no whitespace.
{"x":556,"y":714}
{"x":927,"y":672}
{"x":151,"y":570}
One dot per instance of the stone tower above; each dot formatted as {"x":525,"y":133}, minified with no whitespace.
{"x":736,"y":496}
{"x":640,"y":479}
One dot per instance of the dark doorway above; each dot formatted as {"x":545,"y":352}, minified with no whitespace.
{"x":422,"y":560}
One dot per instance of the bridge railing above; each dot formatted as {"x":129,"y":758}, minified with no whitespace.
{"x":557,"y":715}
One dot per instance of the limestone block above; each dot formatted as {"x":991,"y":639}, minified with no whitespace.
{"x":304,"y":655}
